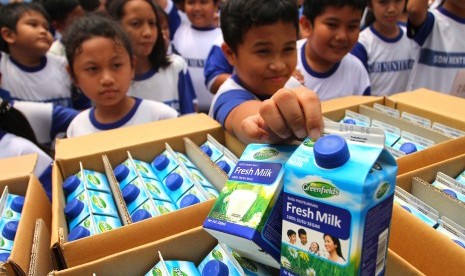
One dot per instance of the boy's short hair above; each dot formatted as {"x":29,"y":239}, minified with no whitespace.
{"x":89,"y":5}
{"x":302,"y":231}
{"x":314,"y":8}
{"x":90,"y":26}
{"x":10,"y":15}
{"x":58,"y":10}
{"x":290,"y":232}
{"x":239,"y":16}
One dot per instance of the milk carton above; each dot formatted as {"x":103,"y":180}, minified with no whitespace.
{"x":340,"y":191}
{"x":452,"y":230}
{"x":247,"y":214}
{"x":11,"y":205}
{"x":173,"y":267}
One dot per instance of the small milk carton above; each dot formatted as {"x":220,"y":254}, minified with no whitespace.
{"x":247,"y":214}
{"x":339,"y":191}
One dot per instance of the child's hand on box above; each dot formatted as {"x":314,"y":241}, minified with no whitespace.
{"x":287,"y":115}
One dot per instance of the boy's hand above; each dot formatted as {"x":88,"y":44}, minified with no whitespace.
{"x":287,"y":115}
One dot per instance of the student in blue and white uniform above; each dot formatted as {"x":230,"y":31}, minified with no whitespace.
{"x":439,"y":33}
{"x":194,"y":41}
{"x":158,"y":76}
{"x":100,"y":57}
{"x":217,"y":68}
{"x":384,"y":48}
{"x":30,"y":74}
{"x":323,"y":57}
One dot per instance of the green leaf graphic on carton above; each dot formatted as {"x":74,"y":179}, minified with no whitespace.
{"x":178,"y":272}
{"x":104,"y":226}
{"x":92,"y":178}
{"x":198,"y":177}
{"x":152,"y":188}
{"x":87,"y":223}
{"x":320,"y":189}
{"x":382,"y":190}
{"x":9,"y":213}
{"x":2,"y":242}
{"x":81,"y":197}
{"x":217,"y":255}
{"x":265,"y":154}
{"x":141,"y":168}
{"x":309,"y":143}
{"x":99,"y":202}
{"x":163,"y":210}
{"x":245,"y":263}
{"x":157,"y":272}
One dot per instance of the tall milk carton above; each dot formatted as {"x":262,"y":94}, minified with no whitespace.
{"x":339,"y":191}
{"x":247,"y":214}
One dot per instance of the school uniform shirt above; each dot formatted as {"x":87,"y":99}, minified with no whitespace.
{"x":231,"y":94}
{"x":171,"y":85}
{"x":174,"y":18}
{"x":442,"y":52}
{"x":57,"y":49}
{"x":47,"y":82}
{"x":216,"y":63}
{"x":348,"y":77}
{"x":12,"y":145}
{"x":388,"y":61}
{"x":143,"y":111}
{"x":193,"y":45}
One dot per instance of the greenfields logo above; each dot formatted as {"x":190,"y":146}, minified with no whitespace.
{"x":265,"y":154}
{"x":99,"y":202}
{"x":104,"y":226}
{"x":152,"y":188}
{"x":157,"y":272}
{"x":309,"y":143}
{"x":87,"y":223}
{"x":320,"y":189}
{"x":163,"y":210}
{"x":178,"y":272}
{"x":217,"y":255}
{"x":9,"y":213}
{"x":93,"y":179}
{"x":141,"y":168}
{"x":382,"y":190}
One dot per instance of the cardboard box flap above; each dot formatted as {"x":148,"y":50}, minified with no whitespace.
{"x":395,"y":265}
{"x":192,"y":245}
{"x":349,"y":102}
{"x":443,"y":203}
{"x":16,"y":167}
{"x":99,"y":142}
{"x":41,"y":259}
{"x":423,"y":247}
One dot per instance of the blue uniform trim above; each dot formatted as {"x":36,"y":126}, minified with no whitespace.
{"x":386,"y":39}
{"x":46,"y":180}
{"x":2,"y":133}
{"x":186,"y":93}
{"x":229,"y":100}
{"x":216,"y":64}
{"x":61,"y":118}
{"x":42,"y":64}
{"x":419,"y":35}
{"x":442,"y":59}
{"x":116,"y":124}
{"x":145,"y":75}
{"x":361,"y":53}
{"x":204,"y":28}
{"x":450,"y":15}
{"x":174,"y":21}
{"x":367,"y":91}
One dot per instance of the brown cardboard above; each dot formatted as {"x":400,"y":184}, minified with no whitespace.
{"x":395,"y":265}
{"x":144,"y":142}
{"x":17,"y":175}
{"x":438,"y":107}
{"x":41,"y":257}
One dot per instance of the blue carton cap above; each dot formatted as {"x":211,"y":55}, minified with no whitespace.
{"x":4,"y":257}
{"x":140,"y":214}
{"x":78,"y":232}
{"x":189,"y":200}
{"x":459,"y":243}
{"x":215,"y":268}
{"x":208,"y":151}
{"x":174,"y":181}
{"x":71,"y":183}
{"x":160,"y":162}
{"x":406,"y":208}
{"x":450,"y":192}
{"x":17,"y":204}
{"x":130,"y":193}
{"x":408,"y":147}
{"x":121,"y":171}
{"x":224,"y":166}
{"x":331,"y":151}
{"x":350,"y":121}
{"x":9,"y":230}
{"x":74,"y":208}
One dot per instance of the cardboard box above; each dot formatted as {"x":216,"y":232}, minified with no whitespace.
{"x":444,"y":149}
{"x":16,"y":173}
{"x":422,"y":246}
{"x":144,"y":142}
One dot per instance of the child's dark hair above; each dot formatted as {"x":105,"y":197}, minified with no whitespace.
{"x":13,"y":121}
{"x":10,"y":15}
{"x":302,"y":231}
{"x":89,"y":5}
{"x":314,"y":8}
{"x":290,"y":232}
{"x":58,"y":10}
{"x":158,"y":56}
{"x":90,"y":26}
{"x":239,"y":16}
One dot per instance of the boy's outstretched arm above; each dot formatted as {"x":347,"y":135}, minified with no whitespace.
{"x":417,"y":11}
{"x":288,"y":114}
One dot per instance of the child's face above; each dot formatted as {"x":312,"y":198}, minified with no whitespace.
{"x":332,"y":35}
{"x":266,"y":58}
{"x":103,"y":70}
{"x":32,"y":35}
{"x":303,"y":238}
{"x":140,"y":22}
{"x":292,"y":239}
{"x":387,"y":12}
{"x":201,"y":13}
{"x":314,"y":247}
